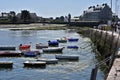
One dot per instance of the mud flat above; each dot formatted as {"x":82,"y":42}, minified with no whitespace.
{"x":36,"y":26}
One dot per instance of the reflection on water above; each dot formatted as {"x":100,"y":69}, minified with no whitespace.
{"x":64,"y":70}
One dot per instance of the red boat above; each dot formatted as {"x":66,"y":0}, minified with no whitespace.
{"x":24,"y":47}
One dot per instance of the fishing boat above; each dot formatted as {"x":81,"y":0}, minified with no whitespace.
{"x":49,"y":61}
{"x":53,"y":43}
{"x":67,"y":57}
{"x":40,"y":46}
{"x":53,"y":49}
{"x":72,"y":47}
{"x":10,"y":54}
{"x":24,"y":47}
{"x":40,"y":64}
{"x":29,"y":54}
{"x":73,"y":39}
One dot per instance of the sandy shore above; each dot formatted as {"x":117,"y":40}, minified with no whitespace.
{"x":31,"y":26}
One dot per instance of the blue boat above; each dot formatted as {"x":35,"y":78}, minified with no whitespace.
{"x":30,"y":54}
{"x":53,"y":43}
{"x":73,"y":39}
{"x":73,"y":47}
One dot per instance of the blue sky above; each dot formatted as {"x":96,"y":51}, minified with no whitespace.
{"x":51,"y":8}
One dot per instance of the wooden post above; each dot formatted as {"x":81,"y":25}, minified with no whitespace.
{"x":94,"y":73}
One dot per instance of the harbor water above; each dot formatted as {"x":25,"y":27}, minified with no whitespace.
{"x":64,"y":70}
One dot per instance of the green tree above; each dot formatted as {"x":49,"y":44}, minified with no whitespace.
{"x":69,"y":19}
{"x":25,"y":16}
{"x":61,"y":18}
{"x":12,"y":17}
{"x":57,"y":19}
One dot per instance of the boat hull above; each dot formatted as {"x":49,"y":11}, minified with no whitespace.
{"x":24,"y":47}
{"x":72,"y":47}
{"x":53,"y":43}
{"x":39,"y":64}
{"x":40,"y":46}
{"x":7,"y":48}
{"x":73,"y":39}
{"x":10,"y":54}
{"x":65,"y":57}
{"x":6,"y":64}
{"x":62,"y":40}
{"x":55,"y":49}
{"x":30,"y":54}
{"x":49,"y":61}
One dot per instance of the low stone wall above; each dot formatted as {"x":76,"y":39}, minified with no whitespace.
{"x":106,"y":44}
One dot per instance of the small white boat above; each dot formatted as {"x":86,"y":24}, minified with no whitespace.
{"x":34,"y":64}
{"x":62,"y":40}
{"x":67,"y":57}
{"x":49,"y":61}
{"x":40,"y":46}
{"x":53,"y":49}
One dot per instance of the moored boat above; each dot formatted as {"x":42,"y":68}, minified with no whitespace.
{"x":73,"y":39}
{"x":72,"y":47}
{"x":7,"y":48}
{"x":40,"y":64}
{"x":53,"y":49}
{"x":24,"y":47}
{"x":53,"y":43}
{"x":49,"y":61}
{"x":37,"y":51}
{"x":10,"y":54}
{"x":40,"y":46}
{"x":62,"y":40}
{"x":6,"y":64}
{"x":67,"y":57}
{"x":30,"y":54}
